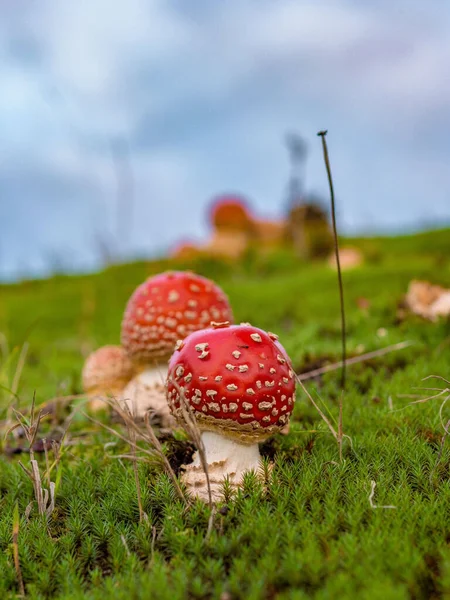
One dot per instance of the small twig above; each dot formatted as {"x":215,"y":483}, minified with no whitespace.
{"x":16,"y":526}
{"x":354,"y":360}
{"x":373,"y":485}
{"x":340,"y":424}
{"x":322,"y":134}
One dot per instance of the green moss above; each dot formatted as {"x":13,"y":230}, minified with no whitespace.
{"x":311,"y":532}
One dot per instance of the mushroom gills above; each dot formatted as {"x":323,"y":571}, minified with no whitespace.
{"x":225,"y":458}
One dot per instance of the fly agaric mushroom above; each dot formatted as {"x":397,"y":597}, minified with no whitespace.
{"x":106,"y":372}
{"x":162,"y":310}
{"x":239,"y":385}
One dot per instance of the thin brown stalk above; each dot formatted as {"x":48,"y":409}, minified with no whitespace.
{"x":322,"y":134}
{"x":340,"y":425}
{"x":354,"y":360}
{"x":15,"y":540}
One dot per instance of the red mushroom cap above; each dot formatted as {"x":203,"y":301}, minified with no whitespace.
{"x":237,"y":379}
{"x":166,"y":308}
{"x":107,"y":369}
{"x":231,"y":212}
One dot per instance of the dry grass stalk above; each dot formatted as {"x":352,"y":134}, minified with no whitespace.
{"x":195,"y":434}
{"x":440,"y":392}
{"x":319,"y":410}
{"x":44,"y":496}
{"x":354,"y":360}
{"x":15,"y":541}
{"x":338,"y":435}
{"x":373,"y":485}
{"x":147,"y":435}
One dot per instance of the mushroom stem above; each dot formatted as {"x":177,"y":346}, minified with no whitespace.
{"x":225,"y":457}
{"x":145,"y":392}
{"x":155,"y":375}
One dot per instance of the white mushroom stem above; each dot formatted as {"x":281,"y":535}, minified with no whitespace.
{"x":155,"y":375}
{"x":225,"y":458}
{"x":145,"y":393}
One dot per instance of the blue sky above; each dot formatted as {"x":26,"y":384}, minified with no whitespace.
{"x":203,"y":92}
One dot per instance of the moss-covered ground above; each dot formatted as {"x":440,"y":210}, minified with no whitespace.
{"x":311,"y":531}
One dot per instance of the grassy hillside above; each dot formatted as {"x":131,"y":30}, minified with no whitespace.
{"x":312,"y":530}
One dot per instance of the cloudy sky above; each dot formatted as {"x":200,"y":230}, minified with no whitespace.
{"x":202,"y":93}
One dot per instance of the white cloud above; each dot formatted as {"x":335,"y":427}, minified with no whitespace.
{"x":206,"y":96}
